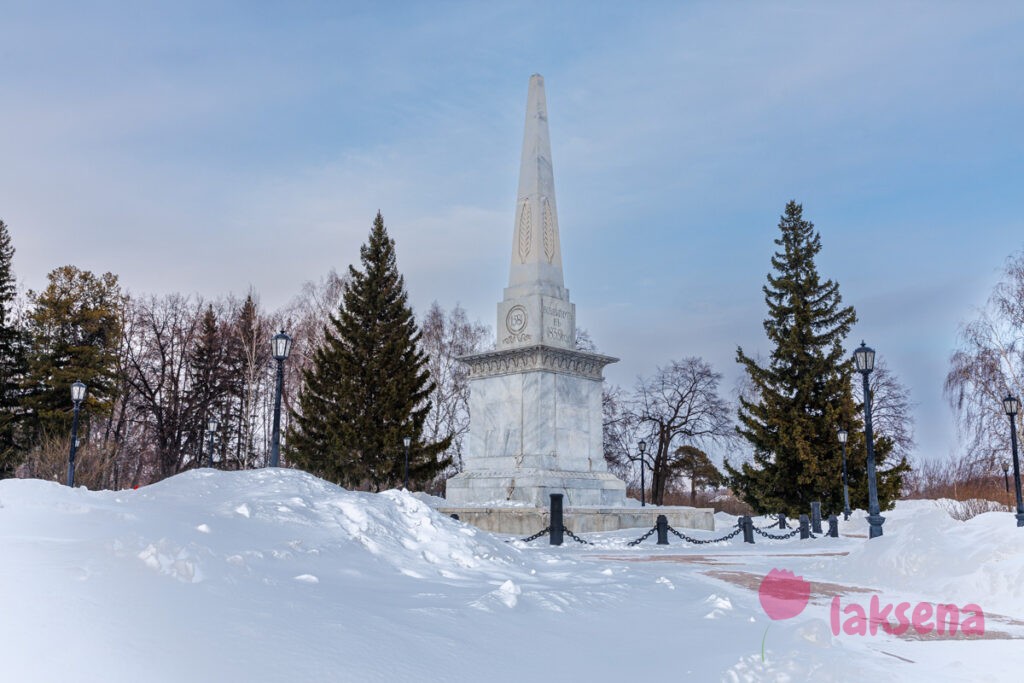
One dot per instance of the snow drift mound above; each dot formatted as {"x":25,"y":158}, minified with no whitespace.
{"x":925,"y":551}
{"x":191,"y":524}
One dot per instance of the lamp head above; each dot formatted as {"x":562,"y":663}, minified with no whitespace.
{"x":281,"y":345}
{"x":1011,"y":404}
{"x":864,"y":358}
{"x":843,"y":435}
{"x":642,"y":446}
{"x":77,"y":392}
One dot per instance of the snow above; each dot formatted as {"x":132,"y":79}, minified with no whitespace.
{"x":274,"y":575}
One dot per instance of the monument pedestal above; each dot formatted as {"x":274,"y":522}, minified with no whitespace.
{"x":525,"y":521}
{"x":533,"y":486}
{"x":535,"y":430}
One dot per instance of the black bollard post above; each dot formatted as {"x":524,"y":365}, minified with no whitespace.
{"x":557,"y":525}
{"x":662,"y":524}
{"x":455,"y":517}
{"x":833,"y":526}
{"x":816,"y":517}
{"x":782,"y":520}
{"x":805,"y":527}
{"x":747,"y":524}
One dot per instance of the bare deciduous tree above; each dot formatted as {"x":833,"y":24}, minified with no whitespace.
{"x":446,"y":337}
{"x":680,"y":406}
{"x":989,"y":365}
{"x":621,"y":429}
{"x":160,"y":334}
{"x":891,"y":409}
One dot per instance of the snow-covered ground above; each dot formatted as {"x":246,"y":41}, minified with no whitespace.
{"x":274,"y":575}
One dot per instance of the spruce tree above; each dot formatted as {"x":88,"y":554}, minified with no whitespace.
{"x":74,"y":331}
{"x":211,"y":382}
{"x":367,"y":387}
{"x":12,"y":362}
{"x":803,"y":395}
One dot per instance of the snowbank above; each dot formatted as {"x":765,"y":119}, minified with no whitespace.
{"x":923,"y":549}
{"x":274,"y":575}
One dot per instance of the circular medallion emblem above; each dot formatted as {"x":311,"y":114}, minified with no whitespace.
{"x":515,"y":319}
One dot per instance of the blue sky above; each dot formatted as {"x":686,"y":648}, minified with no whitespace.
{"x":213,"y":146}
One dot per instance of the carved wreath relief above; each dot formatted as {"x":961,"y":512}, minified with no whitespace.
{"x":515,"y":323}
{"x":525,"y":230}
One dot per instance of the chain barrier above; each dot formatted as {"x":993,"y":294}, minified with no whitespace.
{"x":537,"y":535}
{"x":783,"y":537}
{"x":574,"y":537}
{"x":689,"y":539}
{"x":644,"y":537}
{"x":775,"y":525}
{"x":698,"y":541}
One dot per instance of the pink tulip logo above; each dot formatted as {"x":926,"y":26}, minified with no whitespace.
{"x":783,"y":596}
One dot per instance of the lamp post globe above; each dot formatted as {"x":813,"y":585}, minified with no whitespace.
{"x":77,"y":396}
{"x":842,"y":435}
{"x":864,"y":362}
{"x":405,"y":472}
{"x":280,"y":347}
{"x":1011,"y":406}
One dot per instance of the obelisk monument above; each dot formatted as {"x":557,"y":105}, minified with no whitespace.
{"x":535,"y":401}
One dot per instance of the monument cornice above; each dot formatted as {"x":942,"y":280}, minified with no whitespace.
{"x":538,"y":358}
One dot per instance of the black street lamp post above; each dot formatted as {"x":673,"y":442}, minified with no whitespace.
{"x":642,"y":447}
{"x":1012,"y":406}
{"x":864,"y":361}
{"x":405,"y":471}
{"x":846,"y":488}
{"x":280,"y":345}
{"x":77,"y":396}
{"x":211,"y":430}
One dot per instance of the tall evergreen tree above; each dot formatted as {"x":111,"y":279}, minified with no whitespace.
{"x":368,"y":386}
{"x":248,"y":357}
{"x":804,"y":394}
{"x":12,"y":362}
{"x":695,"y":465}
{"x":74,"y":331}
{"x":212,"y":383}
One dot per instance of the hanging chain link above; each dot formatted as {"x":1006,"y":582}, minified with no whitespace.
{"x":536,"y":535}
{"x":574,"y":537}
{"x":791,"y":534}
{"x":698,"y":541}
{"x":773,"y":525}
{"x":644,"y":537}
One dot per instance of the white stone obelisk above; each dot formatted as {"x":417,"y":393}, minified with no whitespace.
{"x":535,"y":402}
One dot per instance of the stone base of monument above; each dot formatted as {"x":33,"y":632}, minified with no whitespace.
{"x":533,"y":486}
{"x":524,"y":521}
